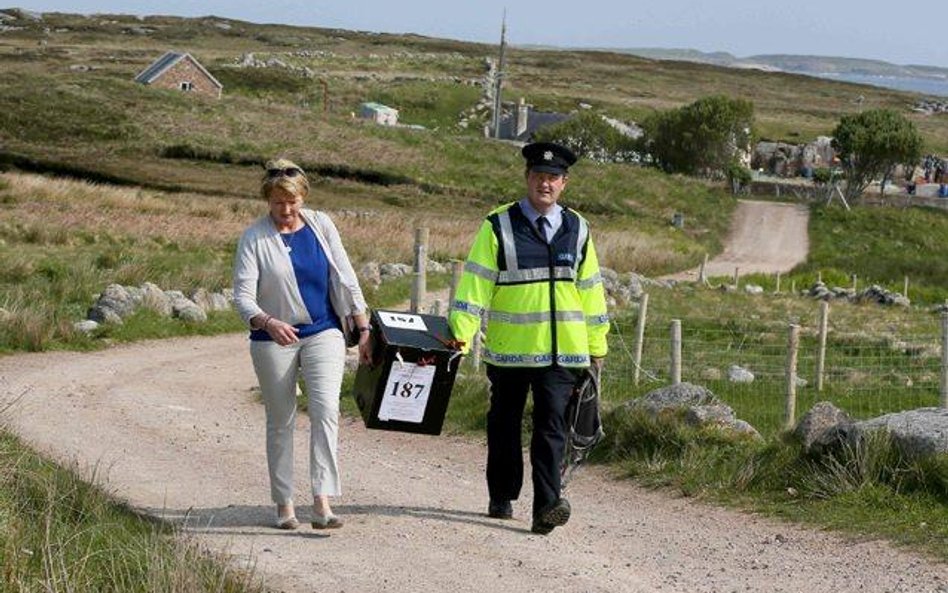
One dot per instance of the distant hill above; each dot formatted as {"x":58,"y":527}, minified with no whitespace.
{"x":854,"y":69}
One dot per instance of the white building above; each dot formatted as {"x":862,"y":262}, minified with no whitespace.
{"x":379,"y":113}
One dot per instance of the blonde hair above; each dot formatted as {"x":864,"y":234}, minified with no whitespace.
{"x":298,"y":184}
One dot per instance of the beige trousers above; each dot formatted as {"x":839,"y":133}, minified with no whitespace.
{"x":320,"y":361}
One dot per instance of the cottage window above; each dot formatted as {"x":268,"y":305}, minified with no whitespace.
{"x":187,"y":86}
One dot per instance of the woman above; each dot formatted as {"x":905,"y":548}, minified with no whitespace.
{"x":295,"y":287}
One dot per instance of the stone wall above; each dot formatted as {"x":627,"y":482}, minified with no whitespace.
{"x":186,"y":70}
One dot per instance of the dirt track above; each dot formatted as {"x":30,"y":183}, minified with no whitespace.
{"x":765,"y":237}
{"x":173,"y":427}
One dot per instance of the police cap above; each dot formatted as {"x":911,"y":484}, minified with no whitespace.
{"x":547,"y":157}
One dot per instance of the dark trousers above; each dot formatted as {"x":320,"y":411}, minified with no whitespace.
{"x":551,"y":388}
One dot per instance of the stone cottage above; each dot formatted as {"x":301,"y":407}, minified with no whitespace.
{"x":176,"y":70}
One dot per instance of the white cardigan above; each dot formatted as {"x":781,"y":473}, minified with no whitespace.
{"x":264,"y":281}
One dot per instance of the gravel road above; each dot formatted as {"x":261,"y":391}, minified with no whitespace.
{"x":765,"y":237}
{"x":173,"y":428}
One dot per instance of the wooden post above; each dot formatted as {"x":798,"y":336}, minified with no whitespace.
{"x":793,"y":287}
{"x":702,"y":271}
{"x":790,"y":408}
{"x":777,"y":291}
{"x":905,"y":287}
{"x":944,"y":359}
{"x":676,"y":351}
{"x":476,"y":350}
{"x":436,"y":307}
{"x":855,"y":283}
{"x":737,"y":276}
{"x":821,"y":355}
{"x":457,"y":268}
{"x":421,"y":267}
{"x":819,"y":277}
{"x":640,"y":336}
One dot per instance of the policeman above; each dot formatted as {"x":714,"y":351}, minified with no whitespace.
{"x":532,"y":273}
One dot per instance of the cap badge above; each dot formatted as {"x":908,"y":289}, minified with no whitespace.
{"x":548,"y":155}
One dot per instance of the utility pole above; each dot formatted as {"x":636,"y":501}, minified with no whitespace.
{"x":498,"y":81}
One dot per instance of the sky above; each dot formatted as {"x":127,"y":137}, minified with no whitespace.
{"x":914,"y":34}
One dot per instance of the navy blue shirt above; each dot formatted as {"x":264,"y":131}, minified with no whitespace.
{"x":311,"y":268}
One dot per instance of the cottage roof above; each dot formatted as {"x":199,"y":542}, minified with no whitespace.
{"x":169,"y":59}
{"x":535,"y":121}
{"x":378,"y":107}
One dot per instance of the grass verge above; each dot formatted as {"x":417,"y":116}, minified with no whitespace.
{"x":59,"y":533}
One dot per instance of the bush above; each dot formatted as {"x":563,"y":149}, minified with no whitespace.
{"x":703,"y":138}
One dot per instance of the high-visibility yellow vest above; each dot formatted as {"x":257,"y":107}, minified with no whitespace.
{"x":544,"y":303}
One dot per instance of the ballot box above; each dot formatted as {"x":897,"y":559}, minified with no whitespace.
{"x":408,"y":383}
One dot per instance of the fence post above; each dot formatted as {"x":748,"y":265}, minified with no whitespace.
{"x":702,"y":274}
{"x":436,"y":308}
{"x":905,"y":287}
{"x":944,"y":359}
{"x":855,"y":283}
{"x":777,"y":290}
{"x":676,"y":351}
{"x":737,"y":277}
{"x":640,"y":336}
{"x":790,"y":408}
{"x":821,"y":355}
{"x":421,"y":267}
{"x":476,"y":350}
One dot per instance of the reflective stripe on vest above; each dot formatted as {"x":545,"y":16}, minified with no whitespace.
{"x":510,"y":269}
{"x":535,"y":360}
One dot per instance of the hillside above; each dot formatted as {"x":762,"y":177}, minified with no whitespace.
{"x":797,"y":64}
{"x":69,"y":105}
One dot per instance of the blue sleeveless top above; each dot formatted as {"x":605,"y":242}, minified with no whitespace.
{"x":311,"y":268}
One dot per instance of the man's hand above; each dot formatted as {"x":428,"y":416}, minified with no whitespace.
{"x":598,"y":362}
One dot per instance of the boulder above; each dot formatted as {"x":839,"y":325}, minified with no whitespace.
{"x":115,"y":302}
{"x":682,"y":395}
{"x":86,"y":326}
{"x":701,"y":407}
{"x":435,"y":267}
{"x":184,"y":308}
{"x":918,"y":433}
{"x":737,"y":374}
{"x":824,"y":428}
{"x":394,"y":270}
{"x":155,"y":299}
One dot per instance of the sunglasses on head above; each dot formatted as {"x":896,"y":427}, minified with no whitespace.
{"x":287,"y":172}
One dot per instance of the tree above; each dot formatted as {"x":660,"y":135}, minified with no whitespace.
{"x":871,"y":144}
{"x":705,"y":137}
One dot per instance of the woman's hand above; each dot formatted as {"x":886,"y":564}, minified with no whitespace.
{"x":365,"y":347}
{"x":282,"y":333}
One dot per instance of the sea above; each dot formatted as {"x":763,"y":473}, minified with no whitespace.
{"x":937,"y":87}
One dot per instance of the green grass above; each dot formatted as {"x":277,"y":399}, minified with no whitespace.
{"x":56,"y":254}
{"x":869,"y":490}
{"x":62,"y":534}
{"x":882,"y":245}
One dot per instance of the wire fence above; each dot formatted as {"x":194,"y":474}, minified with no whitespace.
{"x":768,"y":370}
{"x":756,"y":366}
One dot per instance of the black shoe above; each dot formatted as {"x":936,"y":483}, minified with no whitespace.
{"x":541,"y":528}
{"x":500,"y":509}
{"x":556,"y":514}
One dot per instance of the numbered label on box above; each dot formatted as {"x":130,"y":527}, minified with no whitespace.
{"x":406,"y":392}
